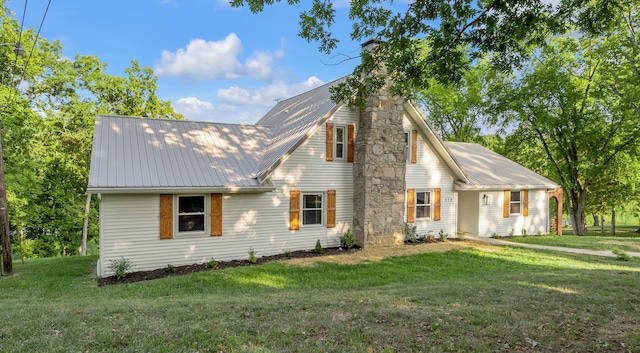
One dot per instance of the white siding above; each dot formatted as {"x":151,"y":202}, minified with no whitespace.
{"x":468,"y":205}
{"x":491,"y":217}
{"x":428,"y":173}
{"x":130,"y":223}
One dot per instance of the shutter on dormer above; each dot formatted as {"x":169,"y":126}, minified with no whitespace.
{"x":216,"y":215}
{"x":166,"y":216}
{"x":525,"y":203}
{"x":331,"y":209}
{"x":411,"y":205}
{"x":507,"y":198}
{"x":351,"y":137}
{"x":414,"y":146}
{"x":436,"y":204}
{"x":294,"y":210}
{"x":329,"y":142}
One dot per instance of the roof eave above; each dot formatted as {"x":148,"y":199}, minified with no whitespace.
{"x":180,"y":190}
{"x":500,"y":187}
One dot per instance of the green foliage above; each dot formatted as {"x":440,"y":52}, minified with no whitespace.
{"x":410,"y":232}
{"x":621,"y":254}
{"x":348,"y":239}
{"x":287,"y":253}
{"x":495,"y":235}
{"x":252,"y":256}
{"x":443,"y":235}
{"x":171,"y":268}
{"x":524,"y":232}
{"x":511,"y":233}
{"x":461,"y":234}
{"x":318,"y":248}
{"x":121,"y":267}
{"x":211,"y":263}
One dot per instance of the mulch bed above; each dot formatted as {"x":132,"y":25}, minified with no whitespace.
{"x":187,"y":269}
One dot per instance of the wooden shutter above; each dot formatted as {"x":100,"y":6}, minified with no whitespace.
{"x":411,"y":200}
{"x":414,"y":146}
{"x":351,"y":137}
{"x":331,"y":209}
{"x":294,"y":210}
{"x":216,"y":215}
{"x":525,"y":203}
{"x":329,"y":142}
{"x":166,"y":216}
{"x":436,"y":204}
{"x":507,"y":199}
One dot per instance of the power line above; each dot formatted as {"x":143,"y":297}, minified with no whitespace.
{"x":24,"y":70}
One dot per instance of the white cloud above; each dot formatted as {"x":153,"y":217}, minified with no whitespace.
{"x":213,"y":60}
{"x":265,"y":96}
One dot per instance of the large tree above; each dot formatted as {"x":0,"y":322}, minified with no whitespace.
{"x":456,"y":31}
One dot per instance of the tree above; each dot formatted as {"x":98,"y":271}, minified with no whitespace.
{"x":456,"y":32}
{"x":562,"y":102}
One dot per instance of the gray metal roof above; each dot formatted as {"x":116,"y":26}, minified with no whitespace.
{"x":294,"y":119}
{"x":135,"y":153}
{"x":489,"y":170}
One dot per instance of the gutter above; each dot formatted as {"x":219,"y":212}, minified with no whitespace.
{"x":180,"y":190}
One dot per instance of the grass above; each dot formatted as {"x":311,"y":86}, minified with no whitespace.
{"x":627,"y":240}
{"x":502,"y":300}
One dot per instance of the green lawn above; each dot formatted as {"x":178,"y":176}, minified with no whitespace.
{"x":627,"y":239}
{"x":503,"y":300}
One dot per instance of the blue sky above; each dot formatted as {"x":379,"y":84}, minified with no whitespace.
{"x":213,"y":62}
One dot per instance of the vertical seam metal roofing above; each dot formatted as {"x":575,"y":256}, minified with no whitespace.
{"x":487,"y":169}
{"x":131,"y":152}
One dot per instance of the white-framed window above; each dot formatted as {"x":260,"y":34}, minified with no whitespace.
{"x":407,"y":145}
{"x":423,"y":204}
{"x":312,"y":208}
{"x":191,"y":214}
{"x":340,"y":143}
{"x":515,"y":202}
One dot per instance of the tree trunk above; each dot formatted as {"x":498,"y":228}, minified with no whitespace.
{"x":595,"y":220}
{"x":85,"y":226}
{"x":613,"y":220}
{"x":602,"y":226}
{"x":7,"y":261}
{"x":21,"y":239}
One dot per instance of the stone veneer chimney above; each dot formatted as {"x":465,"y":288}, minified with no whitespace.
{"x":379,"y":170}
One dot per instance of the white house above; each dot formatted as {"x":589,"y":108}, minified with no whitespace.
{"x":184,"y":192}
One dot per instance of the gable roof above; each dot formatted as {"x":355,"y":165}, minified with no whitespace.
{"x":294,"y":119}
{"x":489,"y":170}
{"x":137,"y":154}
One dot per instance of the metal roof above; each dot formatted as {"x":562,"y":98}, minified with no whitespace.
{"x":136,"y":153}
{"x":295,"y":119}
{"x":489,"y":170}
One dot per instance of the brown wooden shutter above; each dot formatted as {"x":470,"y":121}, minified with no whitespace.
{"x":411,"y":200}
{"x":414,"y":146}
{"x":351,"y":137}
{"x":294,"y":210}
{"x":216,"y":215}
{"x":525,"y":203}
{"x":507,"y":199}
{"x":329,"y":142}
{"x":166,"y":216}
{"x":331,"y":209}
{"x":436,"y":204}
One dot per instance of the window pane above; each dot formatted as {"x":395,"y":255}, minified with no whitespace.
{"x":339,"y":150}
{"x":312,"y":217}
{"x":423,"y":198}
{"x":190,"y":204}
{"x":515,"y":208}
{"x":423,"y":211}
{"x":339,"y":134}
{"x":515,"y":196}
{"x":312,"y":201}
{"x":191,"y":223}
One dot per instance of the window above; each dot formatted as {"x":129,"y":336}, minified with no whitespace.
{"x":407,"y":145}
{"x":312,"y":209}
{"x":191,"y":214}
{"x":340,"y":142}
{"x":515,"y":202}
{"x":423,"y":204}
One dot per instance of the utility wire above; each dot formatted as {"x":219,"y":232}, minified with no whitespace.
{"x":24,"y":70}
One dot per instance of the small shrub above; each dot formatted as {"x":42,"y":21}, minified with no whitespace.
{"x":553,"y":233}
{"x":443,"y":235}
{"x":318,"y":247}
{"x":621,"y":254}
{"x":495,"y":235}
{"x":252,"y":256}
{"x":511,"y":233}
{"x":212,"y":264}
{"x":539,"y":234}
{"x":171,"y":268}
{"x":461,"y":234}
{"x":287,"y":253}
{"x":524,"y":232}
{"x":121,"y":268}
{"x":410,"y":232}
{"x":348,"y":239}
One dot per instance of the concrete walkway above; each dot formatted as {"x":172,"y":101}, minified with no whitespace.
{"x":495,"y":241}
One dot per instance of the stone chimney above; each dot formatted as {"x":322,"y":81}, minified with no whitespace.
{"x":379,"y":170}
